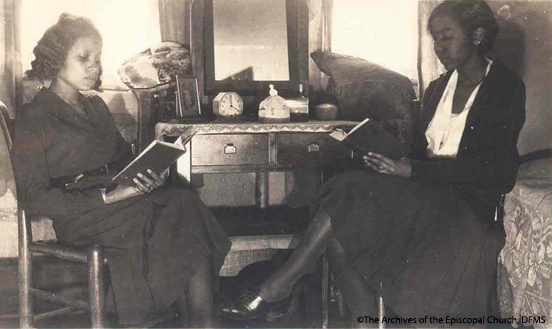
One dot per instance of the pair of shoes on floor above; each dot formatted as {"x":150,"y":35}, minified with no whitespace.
{"x":249,"y":306}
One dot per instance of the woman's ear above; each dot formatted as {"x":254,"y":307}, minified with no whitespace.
{"x":478,"y":35}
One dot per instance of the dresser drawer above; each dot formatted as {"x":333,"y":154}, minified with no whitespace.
{"x":306,"y":149}
{"x":230,"y":149}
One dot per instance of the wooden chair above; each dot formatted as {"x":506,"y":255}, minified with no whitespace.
{"x":92,"y":257}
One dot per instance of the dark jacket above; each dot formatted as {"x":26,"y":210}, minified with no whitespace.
{"x":51,"y":141}
{"x":487,"y":161}
{"x":138,"y":234}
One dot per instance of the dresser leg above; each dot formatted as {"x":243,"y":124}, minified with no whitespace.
{"x":261,"y":189}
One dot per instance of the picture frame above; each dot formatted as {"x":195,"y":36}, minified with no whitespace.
{"x":188,"y":103}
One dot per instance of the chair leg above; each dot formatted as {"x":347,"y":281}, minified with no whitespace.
{"x":381,"y":312}
{"x":25,"y":274}
{"x":96,"y":298}
{"x":325,"y":290}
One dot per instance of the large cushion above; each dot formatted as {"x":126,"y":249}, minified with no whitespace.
{"x":363,"y":89}
{"x":155,"y":66}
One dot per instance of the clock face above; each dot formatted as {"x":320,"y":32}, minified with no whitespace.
{"x":235,"y":102}
{"x":228,"y":104}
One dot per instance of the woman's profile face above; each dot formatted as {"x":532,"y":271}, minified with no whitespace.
{"x":82,"y":66}
{"x":450,"y":42}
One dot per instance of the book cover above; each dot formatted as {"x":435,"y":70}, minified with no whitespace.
{"x":370,"y":136}
{"x":158,"y":156}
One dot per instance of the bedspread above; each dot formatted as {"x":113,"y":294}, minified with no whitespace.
{"x":525,"y":283}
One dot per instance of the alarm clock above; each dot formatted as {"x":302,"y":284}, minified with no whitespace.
{"x":228,"y":104}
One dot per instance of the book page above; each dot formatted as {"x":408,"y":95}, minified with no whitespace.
{"x":161,"y":156}
{"x":358,"y":126}
{"x":338,"y":134}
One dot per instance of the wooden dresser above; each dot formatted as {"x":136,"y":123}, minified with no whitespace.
{"x":251,"y":147}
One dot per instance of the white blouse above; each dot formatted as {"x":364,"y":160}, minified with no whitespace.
{"x":446,"y":128}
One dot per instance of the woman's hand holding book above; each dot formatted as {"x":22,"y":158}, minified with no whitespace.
{"x":142,"y":184}
{"x":385,"y":165}
{"x":148,"y":183}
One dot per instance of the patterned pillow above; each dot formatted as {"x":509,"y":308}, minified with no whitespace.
{"x":155,"y":66}
{"x":364,"y":89}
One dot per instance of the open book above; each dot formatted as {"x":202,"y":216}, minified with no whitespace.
{"x":158,"y":156}
{"x":370,"y":136}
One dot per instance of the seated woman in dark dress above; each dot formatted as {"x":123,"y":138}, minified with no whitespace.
{"x":421,"y":230}
{"x":163,"y":245}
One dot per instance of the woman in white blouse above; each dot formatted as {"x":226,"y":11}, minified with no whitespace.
{"x":422,"y":231}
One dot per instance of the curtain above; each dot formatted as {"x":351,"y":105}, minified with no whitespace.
{"x":320,"y":28}
{"x":8,"y":201}
{"x":429,"y":67}
{"x":10,"y":55}
{"x":174,"y":19}
{"x":10,"y":82}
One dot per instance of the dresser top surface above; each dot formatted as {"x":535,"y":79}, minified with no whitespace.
{"x":220,"y":127}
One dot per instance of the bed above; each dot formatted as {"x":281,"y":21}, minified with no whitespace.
{"x":525,"y":264}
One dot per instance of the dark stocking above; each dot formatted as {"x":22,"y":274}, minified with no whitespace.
{"x":360,"y":299}
{"x":313,"y":243}
{"x":198,"y":304}
{"x":318,"y":237}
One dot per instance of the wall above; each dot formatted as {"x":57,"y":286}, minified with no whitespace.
{"x":525,"y":45}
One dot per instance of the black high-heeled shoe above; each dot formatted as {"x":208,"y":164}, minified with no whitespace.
{"x":249,"y":305}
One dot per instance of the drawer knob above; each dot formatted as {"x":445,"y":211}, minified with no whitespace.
{"x":230,"y":149}
{"x":314,"y":147}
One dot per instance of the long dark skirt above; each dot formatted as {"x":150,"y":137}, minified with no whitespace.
{"x":154,"y":244}
{"x":426,"y":247}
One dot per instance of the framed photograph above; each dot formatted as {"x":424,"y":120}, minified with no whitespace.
{"x":188,"y":103}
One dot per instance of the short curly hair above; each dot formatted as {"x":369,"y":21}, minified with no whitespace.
{"x":52,"y":49}
{"x":471,"y":14}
